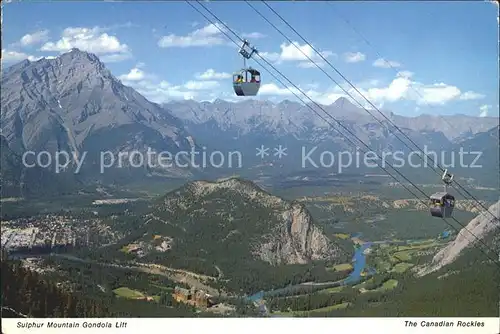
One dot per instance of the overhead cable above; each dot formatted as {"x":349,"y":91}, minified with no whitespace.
{"x":360,"y":94}
{"x":328,"y":122}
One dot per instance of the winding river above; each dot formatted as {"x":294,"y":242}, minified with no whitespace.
{"x":358,"y":263}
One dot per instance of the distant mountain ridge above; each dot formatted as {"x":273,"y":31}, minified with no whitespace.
{"x":73,"y":103}
{"x":293,"y":117}
{"x":249,"y":124}
{"x":246,"y":125}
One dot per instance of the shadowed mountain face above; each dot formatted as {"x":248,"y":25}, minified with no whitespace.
{"x":73,"y":103}
{"x":18,"y":181}
{"x":484,"y":163}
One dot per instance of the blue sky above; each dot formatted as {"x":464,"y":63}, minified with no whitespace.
{"x":444,"y":56}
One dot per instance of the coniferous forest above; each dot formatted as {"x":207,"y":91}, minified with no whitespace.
{"x":26,"y":293}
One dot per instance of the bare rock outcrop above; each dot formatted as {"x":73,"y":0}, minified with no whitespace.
{"x":295,"y":240}
{"x":478,"y":228}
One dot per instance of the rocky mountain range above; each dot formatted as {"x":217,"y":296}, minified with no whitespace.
{"x":288,"y":117}
{"x":74,"y":103}
{"x":245,"y":126}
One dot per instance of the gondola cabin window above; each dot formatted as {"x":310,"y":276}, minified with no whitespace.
{"x":237,"y":78}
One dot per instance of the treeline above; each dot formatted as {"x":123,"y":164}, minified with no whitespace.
{"x":466,"y":288}
{"x":319,"y":299}
{"x":256,"y":276}
{"x":33,"y":295}
{"x":203,"y":241}
{"x":96,"y":279}
{"x":240,"y":274}
{"x":28,"y":293}
{"x":310,"y":302}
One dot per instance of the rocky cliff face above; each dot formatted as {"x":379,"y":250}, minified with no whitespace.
{"x":295,"y":240}
{"x":480,"y":227}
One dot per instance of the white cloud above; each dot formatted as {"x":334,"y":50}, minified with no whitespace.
{"x":470,"y":95}
{"x":34,"y":38}
{"x":397,"y":90}
{"x":275,"y":93}
{"x":201,"y":85}
{"x":497,"y":4}
{"x":114,"y":58}
{"x":207,"y":86}
{"x":207,"y":36}
{"x":484,"y":110}
{"x":437,"y":94}
{"x":404,"y":88}
{"x":272,"y":57}
{"x":211,"y":74}
{"x":14,"y":56}
{"x":135,"y":74}
{"x":405,"y":74}
{"x":312,"y":86}
{"x":309,"y":64}
{"x":382,"y":63}
{"x":328,"y":97}
{"x":295,"y":52}
{"x":369,"y":83}
{"x":401,"y":88}
{"x":160,"y":91}
{"x":273,"y":89}
{"x":93,"y":40}
{"x":290,"y":52}
{"x":354,"y":57}
{"x":253,"y":35}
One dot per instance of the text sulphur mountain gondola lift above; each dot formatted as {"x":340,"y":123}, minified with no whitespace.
{"x":246,"y":82}
{"x":442,"y":203}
